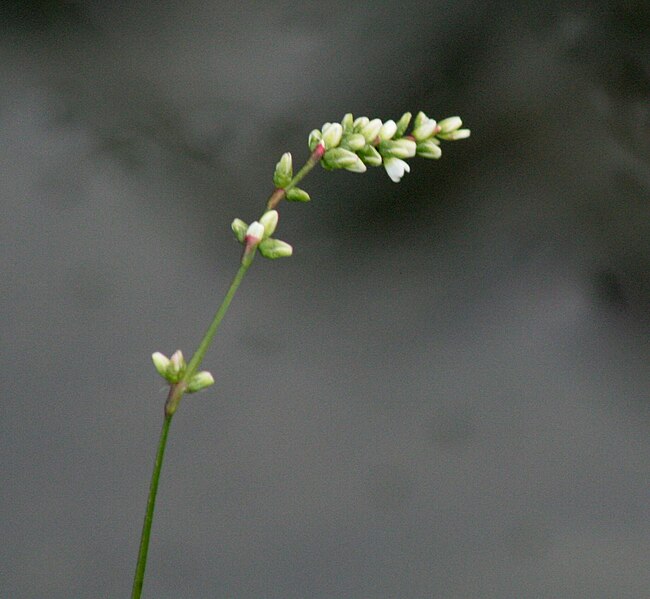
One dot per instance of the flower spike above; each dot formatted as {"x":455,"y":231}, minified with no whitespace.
{"x":354,"y":144}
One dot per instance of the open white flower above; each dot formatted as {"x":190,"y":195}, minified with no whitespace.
{"x":396,"y":167}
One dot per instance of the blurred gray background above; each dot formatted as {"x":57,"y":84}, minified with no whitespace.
{"x":443,"y":394}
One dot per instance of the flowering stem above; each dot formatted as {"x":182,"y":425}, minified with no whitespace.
{"x":366,"y":142}
{"x":176,"y":392}
{"x":138,"y":579}
{"x":278,"y":194}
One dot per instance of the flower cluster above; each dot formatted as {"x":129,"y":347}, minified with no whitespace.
{"x":354,"y":144}
{"x":257,"y":235}
{"x":173,"y":370}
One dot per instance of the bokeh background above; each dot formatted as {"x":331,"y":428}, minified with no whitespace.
{"x":445,"y":392}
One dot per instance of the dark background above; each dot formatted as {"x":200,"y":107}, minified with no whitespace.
{"x":444,"y":393}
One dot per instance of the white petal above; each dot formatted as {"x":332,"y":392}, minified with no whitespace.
{"x":255,"y":232}
{"x":396,"y":168}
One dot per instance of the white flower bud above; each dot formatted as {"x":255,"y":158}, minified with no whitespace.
{"x":239,"y":227}
{"x":370,"y":156}
{"x":360,"y":123}
{"x":161,"y":363}
{"x":429,"y":149}
{"x":274,"y":248}
{"x":283,"y":171}
{"x":254,"y":233}
{"x":424,"y":129}
{"x":420,"y":118}
{"x":295,"y":194}
{"x":332,"y":134}
{"x":176,"y":368}
{"x":357,"y":166}
{"x":371,"y":130}
{"x":398,"y":148}
{"x":339,"y":158}
{"x":396,"y":168}
{"x":355,"y":142}
{"x":200,"y":381}
{"x":403,"y":124}
{"x":315,"y":137}
{"x":450,"y":124}
{"x":387,"y":130}
{"x":347,"y":122}
{"x":455,"y":135}
{"x":269,"y":221}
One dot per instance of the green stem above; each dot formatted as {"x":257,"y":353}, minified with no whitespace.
{"x":198,"y":356}
{"x":138,"y":579}
{"x":177,"y":390}
{"x":175,"y":394}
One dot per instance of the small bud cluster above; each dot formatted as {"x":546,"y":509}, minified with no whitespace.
{"x":173,"y":370}
{"x":355,"y":144}
{"x":257,"y":235}
{"x":282,"y":178}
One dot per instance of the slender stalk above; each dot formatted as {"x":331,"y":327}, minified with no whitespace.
{"x":151,"y":503}
{"x":198,"y":356}
{"x":177,"y":390}
{"x":175,"y":394}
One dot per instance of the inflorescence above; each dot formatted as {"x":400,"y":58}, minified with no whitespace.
{"x":353,"y":145}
